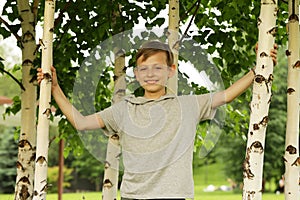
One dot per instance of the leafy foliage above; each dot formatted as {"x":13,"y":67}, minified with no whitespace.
{"x":53,"y":177}
{"x":8,"y":152}
{"x":88,"y":167}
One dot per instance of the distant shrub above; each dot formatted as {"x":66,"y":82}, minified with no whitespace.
{"x":53,"y":178}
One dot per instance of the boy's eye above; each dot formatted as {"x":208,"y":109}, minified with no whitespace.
{"x":142,"y":68}
{"x":154,"y":67}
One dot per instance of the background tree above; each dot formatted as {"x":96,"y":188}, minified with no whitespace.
{"x":89,"y":168}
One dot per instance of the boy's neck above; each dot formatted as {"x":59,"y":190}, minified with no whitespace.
{"x":156,"y":95}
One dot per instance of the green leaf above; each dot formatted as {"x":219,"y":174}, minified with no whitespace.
{"x":158,"y":21}
{"x":5,"y":33}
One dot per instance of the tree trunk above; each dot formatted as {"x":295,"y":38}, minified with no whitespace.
{"x":261,"y":98}
{"x":27,"y":140}
{"x":173,"y":38}
{"x":41,"y":165}
{"x":111,"y":168}
{"x":60,"y":182}
{"x":291,"y":156}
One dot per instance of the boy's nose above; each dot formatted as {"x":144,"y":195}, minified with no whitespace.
{"x":150,"y":71}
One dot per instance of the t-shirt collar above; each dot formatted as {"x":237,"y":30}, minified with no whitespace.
{"x":142,"y":100}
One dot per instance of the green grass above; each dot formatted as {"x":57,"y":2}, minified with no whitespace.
{"x":203,"y":176}
{"x":212,"y":174}
{"x":199,"y":196}
{"x":232,"y":196}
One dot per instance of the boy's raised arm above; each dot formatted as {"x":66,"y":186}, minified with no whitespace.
{"x":79,"y":121}
{"x":236,"y":89}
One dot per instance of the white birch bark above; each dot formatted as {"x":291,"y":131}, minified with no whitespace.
{"x":111,"y":167}
{"x":27,"y":139}
{"x":291,"y":156}
{"x":41,"y":165}
{"x":173,"y":38}
{"x":261,"y":98}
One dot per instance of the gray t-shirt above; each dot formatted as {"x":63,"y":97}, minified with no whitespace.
{"x":157,"y":141}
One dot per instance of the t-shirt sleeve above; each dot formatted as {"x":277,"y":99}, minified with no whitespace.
{"x":206,"y":111}
{"x":108,"y":116}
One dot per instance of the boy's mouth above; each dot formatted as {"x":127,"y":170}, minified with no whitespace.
{"x":151,"y":81}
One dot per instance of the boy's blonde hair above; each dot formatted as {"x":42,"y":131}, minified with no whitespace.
{"x":152,"y":47}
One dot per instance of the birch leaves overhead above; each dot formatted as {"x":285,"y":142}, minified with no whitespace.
{"x":261,"y":98}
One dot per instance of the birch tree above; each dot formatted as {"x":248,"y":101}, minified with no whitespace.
{"x":261,"y":98}
{"x":27,"y":139}
{"x":173,"y":39}
{"x":291,"y":156}
{"x":111,"y":167}
{"x":41,"y":165}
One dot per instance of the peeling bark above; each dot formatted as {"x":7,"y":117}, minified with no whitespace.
{"x":41,"y":164}
{"x":291,"y":155}
{"x":253,"y":164}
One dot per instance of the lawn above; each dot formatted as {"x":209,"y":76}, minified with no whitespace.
{"x":199,"y":196}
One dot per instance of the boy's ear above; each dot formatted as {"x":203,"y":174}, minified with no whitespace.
{"x":172,"y":70}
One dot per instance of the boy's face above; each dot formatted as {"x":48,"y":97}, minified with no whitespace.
{"x":153,"y":73}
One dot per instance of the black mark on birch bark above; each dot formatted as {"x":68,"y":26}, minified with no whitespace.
{"x":291,"y":149}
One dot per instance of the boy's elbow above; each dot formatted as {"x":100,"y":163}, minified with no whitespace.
{"x":228,"y":99}
{"x":79,"y":124}
{"x":90,"y":122}
{"x":219,"y":99}
{"x":80,"y":128}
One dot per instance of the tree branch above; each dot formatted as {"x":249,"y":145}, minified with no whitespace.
{"x":14,"y":78}
{"x":60,"y":15}
{"x":10,"y":29}
{"x":192,"y":19}
{"x":35,"y":7}
{"x":190,"y":9}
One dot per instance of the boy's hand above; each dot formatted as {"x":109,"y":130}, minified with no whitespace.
{"x":40,"y":76}
{"x":273,"y":52}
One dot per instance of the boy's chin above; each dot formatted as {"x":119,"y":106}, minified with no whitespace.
{"x":153,"y":88}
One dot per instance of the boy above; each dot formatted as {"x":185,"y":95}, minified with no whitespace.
{"x":157,"y":130}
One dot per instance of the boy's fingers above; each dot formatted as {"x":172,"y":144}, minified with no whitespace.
{"x":256,"y":48}
{"x":40,"y":75}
